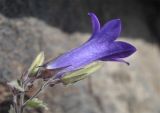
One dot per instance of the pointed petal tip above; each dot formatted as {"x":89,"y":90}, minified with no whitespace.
{"x":132,"y":49}
{"x":93,"y":16}
{"x":95,"y":24}
{"x":116,"y":21}
{"x":90,"y":13}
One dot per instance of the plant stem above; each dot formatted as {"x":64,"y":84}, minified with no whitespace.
{"x":15,"y":103}
{"x":22,"y":99}
{"x":18,"y":98}
{"x":36,"y":94}
{"x":40,"y":89}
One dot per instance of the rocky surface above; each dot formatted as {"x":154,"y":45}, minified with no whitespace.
{"x":116,"y":88}
{"x":72,"y":16}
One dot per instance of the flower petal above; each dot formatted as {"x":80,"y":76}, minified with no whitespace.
{"x":119,"y":49}
{"x":95,"y":24}
{"x":79,"y":57}
{"x":111,"y":30}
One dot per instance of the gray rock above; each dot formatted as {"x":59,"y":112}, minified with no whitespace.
{"x":72,"y":16}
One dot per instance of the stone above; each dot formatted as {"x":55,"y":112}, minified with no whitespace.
{"x":71,"y":16}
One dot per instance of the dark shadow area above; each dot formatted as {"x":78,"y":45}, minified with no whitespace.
{"x":5,"y":106}
{"x":140,"y":18}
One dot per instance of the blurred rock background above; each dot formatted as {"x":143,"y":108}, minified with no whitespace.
{"x":141,"y":18}
{"x":28,"y":27}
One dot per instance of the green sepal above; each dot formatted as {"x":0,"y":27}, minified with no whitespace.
{"x":80,"y":74}
{"x":36,"y":103}
{"x":36,"y":63}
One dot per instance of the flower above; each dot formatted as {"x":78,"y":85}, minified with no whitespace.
{"x":101,"y":46}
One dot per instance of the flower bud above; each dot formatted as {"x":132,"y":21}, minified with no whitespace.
{"x":36,"y":63}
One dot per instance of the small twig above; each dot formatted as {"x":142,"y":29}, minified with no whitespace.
{"x":22,"y":99}
{"x":36,"y":94}
{"x":15,"y":103}
{"x":40,"y":89}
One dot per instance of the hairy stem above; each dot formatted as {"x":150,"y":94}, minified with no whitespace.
{"x":22,"y":99}
{"x":15,"y":103}
{"x":40,"y":89}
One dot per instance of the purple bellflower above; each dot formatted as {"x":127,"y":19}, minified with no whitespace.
{"x":101,"y":46}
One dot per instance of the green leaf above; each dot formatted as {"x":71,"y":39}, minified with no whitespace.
{"x":81,"y":73}
{"x":35,"y":103}
{"x":16,"y":85}
{"x":37,"y":62}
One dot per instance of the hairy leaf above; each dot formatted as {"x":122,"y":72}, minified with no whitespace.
{"x":15,"y":85}
{"x":35,"y":103}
